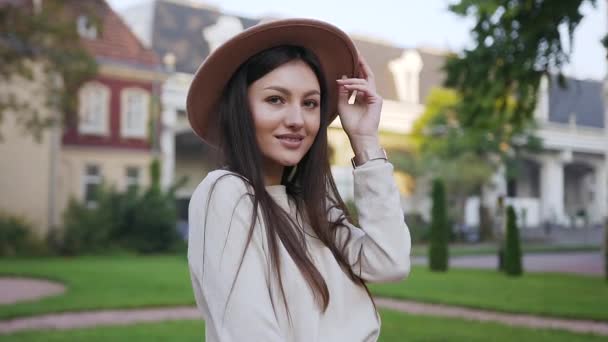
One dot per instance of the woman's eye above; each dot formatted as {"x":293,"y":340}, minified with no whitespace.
{"x":274,"y":100}
{"x":311,"y":104}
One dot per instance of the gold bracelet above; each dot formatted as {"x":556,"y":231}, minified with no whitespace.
{"x":368,"y":155}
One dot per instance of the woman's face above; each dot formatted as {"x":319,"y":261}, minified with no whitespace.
{"x":286,"y":109}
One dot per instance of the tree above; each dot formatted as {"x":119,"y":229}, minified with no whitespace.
{"x":45,"y":36}
{"x":516,"y":42}
{"x":438,"y":247}
{"x":444,"y":148}
{"x":512,"y":251}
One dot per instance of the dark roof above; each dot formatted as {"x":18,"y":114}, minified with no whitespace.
{"x":177,"y":26}
{"x":581,"y":98}
{"x":177,"y":29}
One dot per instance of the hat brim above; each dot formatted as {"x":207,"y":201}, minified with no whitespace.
{"x":334,"y":49}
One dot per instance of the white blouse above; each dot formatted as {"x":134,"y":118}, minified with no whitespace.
{"x":378,"y":251}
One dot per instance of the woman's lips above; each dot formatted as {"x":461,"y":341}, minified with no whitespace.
{"x":291,"y":143}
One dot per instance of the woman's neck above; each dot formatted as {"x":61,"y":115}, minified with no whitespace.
{"x":273,"y":175}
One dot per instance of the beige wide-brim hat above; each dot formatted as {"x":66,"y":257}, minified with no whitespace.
{"x":334,"y":49}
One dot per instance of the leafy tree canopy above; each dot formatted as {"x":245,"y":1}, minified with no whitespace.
{"x":44,"y":36}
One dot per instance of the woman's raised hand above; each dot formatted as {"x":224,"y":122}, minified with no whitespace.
{"x":360,"y":119}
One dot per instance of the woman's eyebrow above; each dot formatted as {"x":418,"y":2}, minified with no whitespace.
{"x":287,"y":92}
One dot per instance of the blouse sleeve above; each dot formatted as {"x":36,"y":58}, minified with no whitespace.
{"x":218,"y":237}
{"x":378,"y":250}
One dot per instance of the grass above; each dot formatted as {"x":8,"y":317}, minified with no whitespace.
{"x":153,"y":281}
{"x":103,"y":283}
{"x":549,"y":294}
{"x":490,"y":249}
{"x":395,"y":327}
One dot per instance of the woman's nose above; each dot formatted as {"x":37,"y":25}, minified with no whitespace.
{"x":294,"y":116}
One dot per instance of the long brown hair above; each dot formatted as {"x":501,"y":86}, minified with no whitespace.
{"x":312,"y":186}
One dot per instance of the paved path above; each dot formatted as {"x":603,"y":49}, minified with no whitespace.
{"x":591,"y":263}
{"x":73,"y":320}
{"x":13,"y":290}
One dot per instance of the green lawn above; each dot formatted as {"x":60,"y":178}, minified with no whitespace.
{"x":395,"y":327}
{"x":104,"y":282}
{"x":128,"y":281}
{"x":487,"y":248}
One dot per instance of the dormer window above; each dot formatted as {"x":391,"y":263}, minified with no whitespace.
{"x":225,"y":28}
{"x":406,"y":72}
{"x":85,"y":27}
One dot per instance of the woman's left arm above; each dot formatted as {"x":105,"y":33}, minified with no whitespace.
{"x":380,"y":249}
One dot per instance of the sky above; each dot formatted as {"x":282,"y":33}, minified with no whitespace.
{"x":413,"y":23}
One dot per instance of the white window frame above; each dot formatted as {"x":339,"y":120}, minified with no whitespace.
{"x":94,"y":109}
{"x":140,"y":129}
{"x":130,"y":180}
{"x":90,"y":179}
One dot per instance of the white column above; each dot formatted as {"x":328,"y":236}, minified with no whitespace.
{"x":167,"y":147}
{"x":601,"y":191}
{"x":552,"y":190}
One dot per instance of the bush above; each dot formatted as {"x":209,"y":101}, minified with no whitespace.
{"x":512,"y":252}
{"x":419,"y":229}
{"x":90,"y":230}
{"x":606,"y":247}
{"x":438,"y":247}
{"x":16,"y":238}
{"x":143,"y":222}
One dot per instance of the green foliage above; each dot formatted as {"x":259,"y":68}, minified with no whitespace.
{"x":17,"y":239}
{"x":352,"y":210}
{"x":419,"y":229}
{"x":141,"y":221}
{"x":606,"y":248}
{"x":512,"y":251}
{"x":47,"y":38}
{"x":438,"y":247}
{"x":516,"y":42}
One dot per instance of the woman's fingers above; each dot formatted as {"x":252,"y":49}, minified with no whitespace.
{"x":352,"y":81}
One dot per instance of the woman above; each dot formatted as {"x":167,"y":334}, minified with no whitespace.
{"x":272,"y":254}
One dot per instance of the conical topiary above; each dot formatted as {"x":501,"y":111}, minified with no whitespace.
{"x":438,"y":247}
{"x":512,"y":253}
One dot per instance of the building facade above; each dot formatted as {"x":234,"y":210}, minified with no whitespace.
{"x":114,"y":139}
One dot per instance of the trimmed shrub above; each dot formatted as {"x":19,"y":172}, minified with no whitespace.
{"x":512,"y":252}
{"x":17,"y":239}
{"x":438,"y":247}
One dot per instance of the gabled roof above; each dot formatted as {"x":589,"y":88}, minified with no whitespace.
{"x":581,"y":98}
{"x":116,"y":41}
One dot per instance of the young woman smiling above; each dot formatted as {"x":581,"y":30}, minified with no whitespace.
{"x":272,"y":253}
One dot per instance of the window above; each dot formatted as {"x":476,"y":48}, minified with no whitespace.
{"x":93,"y":111}
{"x":132,"y":178}
{"x":92,"y":184}
{"x":134,"y":115}
{"x":85,"y":27}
